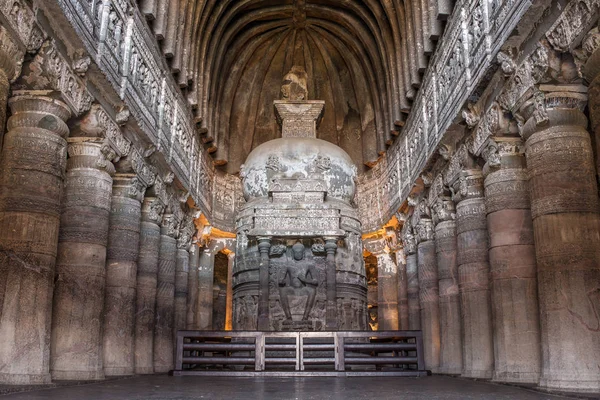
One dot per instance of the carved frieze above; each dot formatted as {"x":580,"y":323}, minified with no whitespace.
{"x":50,"y":70}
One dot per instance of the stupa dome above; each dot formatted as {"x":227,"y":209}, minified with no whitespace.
{"x":299,"y":158}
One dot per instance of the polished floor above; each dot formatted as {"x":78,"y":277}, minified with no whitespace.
{"x":184,"y":388}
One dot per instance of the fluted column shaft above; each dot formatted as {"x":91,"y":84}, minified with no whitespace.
{"x":564,"y":207}
{"x":451,"y":361}
{"x":429,"y":294}
{"x":181,"y":288}
{"x":206,"y":271}
{"x":412,"y":279}
{"x":32,"y":170}
{"x":513,"y":270}
{"x":4,"y":91}
{"x":387,"y":292}
{"x":402,"y":290}
{"x":473,"y":278}
{"x":121,"y":276}
{"x":76,"y":349}
{"x":192,"y":300}
{"x":147,"y":278}
{"x":165,"y":297}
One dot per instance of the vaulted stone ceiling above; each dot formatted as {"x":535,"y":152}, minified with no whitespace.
{"x":363,"y":57}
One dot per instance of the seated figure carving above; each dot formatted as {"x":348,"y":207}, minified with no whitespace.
{"x":299,"y":279}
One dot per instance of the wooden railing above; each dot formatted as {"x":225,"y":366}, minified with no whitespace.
{"x":345,"y":353}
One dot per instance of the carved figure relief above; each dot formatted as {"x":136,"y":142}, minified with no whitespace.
{"x":298,"y":279}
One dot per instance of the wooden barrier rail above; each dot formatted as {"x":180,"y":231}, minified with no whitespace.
{"x":342,"y":353}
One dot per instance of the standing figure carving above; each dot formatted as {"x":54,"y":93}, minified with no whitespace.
{"x":299,"y":279}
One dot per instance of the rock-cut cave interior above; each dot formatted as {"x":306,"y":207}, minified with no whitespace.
{"x":304,"y":199}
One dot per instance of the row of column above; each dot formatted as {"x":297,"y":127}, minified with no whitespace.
{"x":501,"y":269}
{"x":93,"y":282}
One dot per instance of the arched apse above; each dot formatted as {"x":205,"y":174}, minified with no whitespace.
{"x":363,"y":57}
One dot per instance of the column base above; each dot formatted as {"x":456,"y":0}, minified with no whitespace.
{"x":562,"y":383}
{"x":162,"y":369}
{"x":144,"y":370}
{"x":477,"y":374}
{"x":118,"y":371}
{"x":449,"y":371}
{"x":25,"y":379}
{"x":516,"y":377}
{"x":77,"y":375}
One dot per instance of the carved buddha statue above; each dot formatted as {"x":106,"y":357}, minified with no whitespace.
{"x":299,"y":279}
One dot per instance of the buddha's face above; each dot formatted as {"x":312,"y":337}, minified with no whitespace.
{"x":298,"y":254}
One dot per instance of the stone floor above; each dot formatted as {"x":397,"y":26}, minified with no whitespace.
{"x":184,"y":388}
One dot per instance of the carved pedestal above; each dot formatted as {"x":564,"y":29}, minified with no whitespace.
{"x":121,"y":276}
{"x":428,"y":295}
{"x":564,"y":206}
{"x":192,"y":299}
{"x":206,"y":271}
{"x":32,"y":168}
{"x":402,"y":290}
{"x":473,"y":277}
{"x":76,"y":351}
{"x":512,"y":264}
{"x":147,"y":278}
{"x":165,"y":296}
{"x":451,"y":361}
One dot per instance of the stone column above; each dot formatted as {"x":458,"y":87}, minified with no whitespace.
{"x":402,"y":290}
{"x":229,"y":301}
{"x":591,"y":72}
{"x":121,"y":275}
{"x":192,"y":300}
{"x":412,"y":278}
{"x":165,"y":296}
{"x":513,"y":269}
{"x":451,"y":354}
{"x":181,"y":282}
{"x":331,"y":308}
{"x":473,"y":276}
{"x":32,"y":169}
{"x":147,"y":278}
{"x":205,"y":288}
{"x":76,"y":345}
{"x":564,"y":207}
{"x":387,"y":291}
{"x":428,"y":293}
{"x":264,"y":244}
{"x":10,"y":59}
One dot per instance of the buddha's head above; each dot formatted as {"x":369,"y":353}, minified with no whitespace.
{"x":298,"y":251}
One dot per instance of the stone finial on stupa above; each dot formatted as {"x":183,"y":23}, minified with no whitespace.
{"x":298,"y":116}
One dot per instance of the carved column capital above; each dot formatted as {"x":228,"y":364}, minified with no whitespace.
{"x":128,"y":185}
{"x":375,"y":246}
{"x":408,"y":239}
{"x":443,"y":209}
{"x":170,"y":225}
{"x":186,"y":233}
{"x":11,"y":56}
{"x":38,"y":110}
{"x":152,"y":210}
{"x":468,"y":185}
{"x":98,"y":123}
{"x":90,"y":153}
{"x":553,"y":105}
{"x":503,"y":152}
{"x":424,"y":230}
{"x":264,"y":244}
